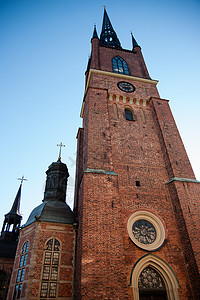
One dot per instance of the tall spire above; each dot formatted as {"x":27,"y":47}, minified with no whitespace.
{"x":108,"y":36}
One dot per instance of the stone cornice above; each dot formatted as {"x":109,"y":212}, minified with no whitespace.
{"x":98,"y":171}
{"x":183,"y":180}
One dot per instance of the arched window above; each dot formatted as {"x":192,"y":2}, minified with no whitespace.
{"x":120,"y":65}
{"x":129,"y":114}
{"x":151,"y":285}
{"x":50,"y":269}
{"x":21,"y":271}
{"x":3,"y":284}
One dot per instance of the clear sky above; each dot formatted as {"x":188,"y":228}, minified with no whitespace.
{"x":44,"y":51}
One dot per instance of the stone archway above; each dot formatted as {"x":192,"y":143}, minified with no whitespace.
{"x":169,"y":283}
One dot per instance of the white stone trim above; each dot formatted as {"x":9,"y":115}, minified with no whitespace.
{"x":117,"y":98}
{"x":144,"y":102}
{"x":124,"y":99}
{"x":137,"y":102}
{"x":110,"y":97}
{"x":166,"y":272}
{"x":131,"y":100}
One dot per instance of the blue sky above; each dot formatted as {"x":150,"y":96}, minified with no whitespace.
{"x":44,"y":51}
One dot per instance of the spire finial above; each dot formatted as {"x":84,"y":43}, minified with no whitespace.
{"x":104,"y":7}
{"x":60,"y":145}
{"x":22,"y":179}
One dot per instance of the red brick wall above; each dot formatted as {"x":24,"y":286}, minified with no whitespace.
{"x":177,"y":163}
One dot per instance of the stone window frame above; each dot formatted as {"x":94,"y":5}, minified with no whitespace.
{"x":165,"y":271}
{"x":21,"y":270}
{"x":119,"y":65}
{"x":49,"y":282}
{"x":155,"y":221}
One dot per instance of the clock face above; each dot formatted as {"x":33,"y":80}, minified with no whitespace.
{"x":144,"y":232}
{"x":126,"y":86}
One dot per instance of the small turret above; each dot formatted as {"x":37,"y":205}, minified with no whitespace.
{"x":54,"y":207}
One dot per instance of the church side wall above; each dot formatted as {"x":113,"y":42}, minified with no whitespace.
{"x":38,"y":233}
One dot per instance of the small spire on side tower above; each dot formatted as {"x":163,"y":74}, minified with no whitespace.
{"x":95,"y":35}
{"x":134,"y":43}
{"x":108,"y":36}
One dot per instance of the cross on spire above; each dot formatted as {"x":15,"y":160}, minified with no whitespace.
{"x":22,"y":179}
{"x":60,"y":145}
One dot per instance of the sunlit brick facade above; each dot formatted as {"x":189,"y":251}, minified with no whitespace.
{"x":134,"y":231}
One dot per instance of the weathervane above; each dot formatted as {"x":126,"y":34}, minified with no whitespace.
{"x":60,"y":145}
{"x":22,"y":179}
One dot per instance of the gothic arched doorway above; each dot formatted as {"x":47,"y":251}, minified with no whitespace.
{"x":161,"y":284}
{"x":151,"y":285}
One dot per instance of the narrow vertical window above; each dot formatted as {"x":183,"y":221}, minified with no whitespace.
{"x":120,"y":65}
{"x":50,"y":269}
{"x":21,"y":271}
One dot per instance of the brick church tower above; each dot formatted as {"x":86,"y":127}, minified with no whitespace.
{"x":136,"y":196}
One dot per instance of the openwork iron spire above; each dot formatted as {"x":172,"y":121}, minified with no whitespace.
{"x":108,"y":36}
